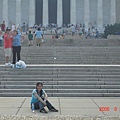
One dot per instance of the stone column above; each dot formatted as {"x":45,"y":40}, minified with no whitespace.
{"x":5,"y":12}
{"x":31,"y":13}
{"x":86,"y":14}
{"x":73,"y":12}
{"x":18,"y":12}
{"x":113,"y":12}
{"x":100,"y":16}
{"x":59,"y":13}
{"x":45,"y":12}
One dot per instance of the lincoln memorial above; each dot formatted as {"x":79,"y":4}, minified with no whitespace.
{"x":88,"y":12}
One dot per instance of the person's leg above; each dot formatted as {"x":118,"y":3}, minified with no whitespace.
{"x":36,"y":105}
{"x":14,"y":55}
{"x":1,"y":43}
{"x":32,"y":42}
{"x":72,"y":35}
{"x":6,"y":56}
{"x":6,"y":59}
{"x":37,"y":41}
{"x":40,"y":41}
{"x":42,"y":109}
{"x":18,"y":52}
{"x":81,"y":36}
{"x":8,"y":52}
{"x":28,"y":43}
{"x":41,"y":106}
{"x":49,"y":105}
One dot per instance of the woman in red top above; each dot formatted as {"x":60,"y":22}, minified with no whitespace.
{"x":8,"y":46}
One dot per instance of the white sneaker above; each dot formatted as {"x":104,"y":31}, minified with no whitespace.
{"x":8,"y":64}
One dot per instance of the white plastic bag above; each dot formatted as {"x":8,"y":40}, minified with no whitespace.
{"x":20,"y":65}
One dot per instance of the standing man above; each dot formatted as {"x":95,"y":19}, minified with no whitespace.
{"x":8,"y":46}
{"x":73,"y":30}
{"x":1,"y":38}
{"x":24,"y":29}
{"x":13,"y":27}
{"x":39,"y":37}
{"x":3,"y":26}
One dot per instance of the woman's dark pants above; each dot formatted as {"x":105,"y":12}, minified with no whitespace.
{"x":40,"y":105}
{"x":16,"y":51}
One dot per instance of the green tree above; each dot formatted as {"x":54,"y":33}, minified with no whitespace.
{"x":112,"y":30}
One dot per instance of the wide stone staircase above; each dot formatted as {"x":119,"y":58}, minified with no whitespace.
{"x":67,"y":68}
{"x":68,"y":51}
{"x":62,"y":81}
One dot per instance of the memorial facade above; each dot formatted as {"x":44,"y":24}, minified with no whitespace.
{"x":97,"y":13}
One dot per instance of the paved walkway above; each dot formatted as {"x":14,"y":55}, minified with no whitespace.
{"x":66,"y":106}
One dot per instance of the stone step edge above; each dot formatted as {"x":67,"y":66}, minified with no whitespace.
{"x":63,"y":95}
{"x":70,"y":65}
{"x":63,"y":89}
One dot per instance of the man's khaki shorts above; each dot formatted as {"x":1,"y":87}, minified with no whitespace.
{"x":30,"y":42}
{"x":38,"y":40}
{"x":8,"y":52}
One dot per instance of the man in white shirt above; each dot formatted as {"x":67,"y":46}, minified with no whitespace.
{"x":73,"y":30}
{"x":13,"y":27}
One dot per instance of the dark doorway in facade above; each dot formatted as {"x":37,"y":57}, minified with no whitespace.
{"x":52,"y":11}
{"x":38,"y":11}
{"x":66,"y":11}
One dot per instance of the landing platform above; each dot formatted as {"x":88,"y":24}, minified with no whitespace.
{"x":96,"y":106}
